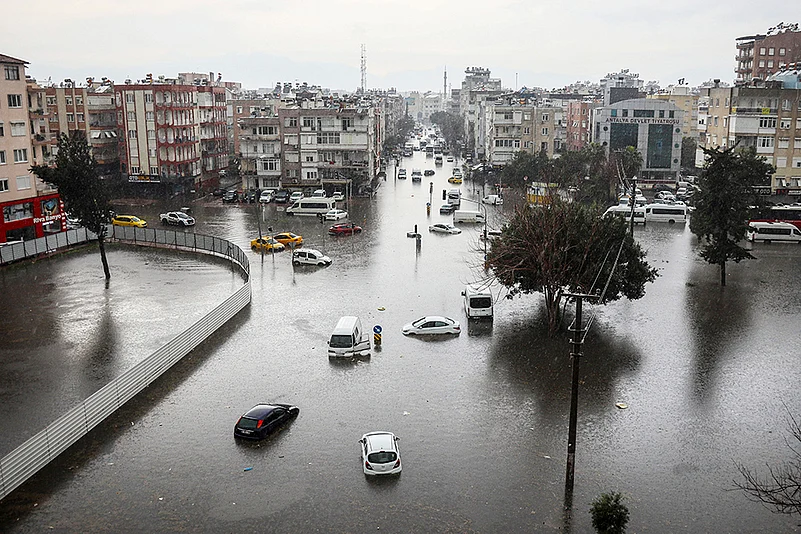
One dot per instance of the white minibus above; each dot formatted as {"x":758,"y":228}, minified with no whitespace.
{"x":311,"y":206}
{"x":773,"y":231}
{"x":669,"y":213}
{"x":348,"y":339}
{"x":624,"y":212}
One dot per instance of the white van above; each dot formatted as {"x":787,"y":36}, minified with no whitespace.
{"x":468,"y":216}
{"x":624,"y":212}
{"x":477,"y":302}
{"x":311,"y":206}
{"x":669,"y":213}
{"x":773,"y":231}
{"x":349,"y":339}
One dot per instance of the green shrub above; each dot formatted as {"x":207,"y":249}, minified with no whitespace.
{"x":609,"y":514}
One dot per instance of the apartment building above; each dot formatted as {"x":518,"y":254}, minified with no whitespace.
{"x":259,"y":150}
{"x":328,"y":142}
{"x":212,"y":133}
{"x":759,"y":56}
{"x":579,"y":124}
{"x":520,"y":125}
{"x":30,"y":208}
{"x":651,"y":126}
{"x":765,"y":115}
{"x":102,"y":118}
{"x":476,"y":98}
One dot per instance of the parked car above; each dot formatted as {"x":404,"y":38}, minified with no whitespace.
{"x":281,"y":196}
{"x":344,"y":229}
{"x":230,"y":196}
{"x":319,"y":193}
{"x":218,"y":192}
{"x":128,"y":220}
{"x":178,"y":218}
{"x":336,"y":214}
{"x":266,"y":242}
{"x":432,"y":324}
{"x":444,"y":228}
{"x":295,"y":196}
{"x":266,"y":196}
{"x":401,"y":174}
{"x":447,"y":209}
{"x":492,"y":199}
{"x":338,"y":195}
{"x":380,"y":454}
{"x":428,"y":172}
{"x":665,"y":196}
{"x":264,"y":419}
{"x":310,"y":256}
{"x":455,"y":179}
{"x":288,"y":238}
{"x":450,"y":159}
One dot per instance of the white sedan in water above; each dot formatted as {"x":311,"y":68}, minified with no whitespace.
{"x":444,"y":228}
{"x":432,"y":324}
{"x":336,"y":214}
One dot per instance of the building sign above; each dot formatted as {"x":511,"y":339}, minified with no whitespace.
{"x":794,"y":192}
{"x":641,"y":120}
{"x":148,"y":178}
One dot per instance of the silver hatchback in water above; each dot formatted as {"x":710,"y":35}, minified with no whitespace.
{"x":380,"y":454}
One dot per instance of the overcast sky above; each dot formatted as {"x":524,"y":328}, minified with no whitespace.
{"x":409,"y":43}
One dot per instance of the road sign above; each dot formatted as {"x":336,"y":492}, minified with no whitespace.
{"x":377,"y":329}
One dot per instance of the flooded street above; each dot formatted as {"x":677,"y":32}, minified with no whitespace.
{"x":706,"y":373}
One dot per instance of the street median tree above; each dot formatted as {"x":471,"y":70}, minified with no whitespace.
{"x":568,"y":247}
{"x":83,"y":192}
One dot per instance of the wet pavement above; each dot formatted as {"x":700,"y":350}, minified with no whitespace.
{"x":705,"y":372}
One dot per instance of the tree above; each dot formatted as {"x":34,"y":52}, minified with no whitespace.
{"x":80,"y":187}
{"x":568,"y":247}
{"x":780,"y":490}
{"x":688,"y":148}
{"x":451,"y":126}
{"x":526,"y":168}
{"x":724,"y":202}
{"x":609,"y":514}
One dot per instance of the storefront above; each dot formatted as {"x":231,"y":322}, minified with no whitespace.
{"x":31,"y":218}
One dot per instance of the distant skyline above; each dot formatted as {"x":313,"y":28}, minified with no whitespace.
{"x":409,"y":43}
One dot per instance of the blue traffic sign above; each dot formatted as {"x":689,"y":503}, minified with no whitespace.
{"x":377,"y":329}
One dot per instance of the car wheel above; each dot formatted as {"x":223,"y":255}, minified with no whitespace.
{"x":296,"y":263}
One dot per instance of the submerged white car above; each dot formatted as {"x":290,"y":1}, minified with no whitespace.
{"x":444,"y":228}
{"x":310,"y":256}
{"x":432,"y":324}
{"x":380,"y":454}
{"x":492,"y":199}
{"x":336,"y":214}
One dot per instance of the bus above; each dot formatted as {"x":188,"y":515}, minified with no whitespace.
{"x":311,"y":206}
{"x":624,"y":212}
{"x":773,"y":231}
{"x":789,"y":214}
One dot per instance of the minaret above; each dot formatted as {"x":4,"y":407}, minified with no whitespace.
{"x":444,"y":88}
{"x":364,"y":68}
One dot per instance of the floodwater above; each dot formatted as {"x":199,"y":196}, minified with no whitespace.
{"x":708,"y":375}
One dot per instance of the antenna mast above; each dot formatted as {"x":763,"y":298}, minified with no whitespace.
{"x":364,"y":68}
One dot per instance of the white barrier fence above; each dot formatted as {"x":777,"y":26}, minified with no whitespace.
{"x":24,"y":461}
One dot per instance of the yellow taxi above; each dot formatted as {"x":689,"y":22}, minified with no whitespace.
{"x":128,"y":220}
{"x":455,"y":180}
{"x":289,"y":239}
{"x":266,"y":242}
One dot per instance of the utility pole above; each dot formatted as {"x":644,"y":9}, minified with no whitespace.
{"x":633,"y":202}
{"x":575,"y":356}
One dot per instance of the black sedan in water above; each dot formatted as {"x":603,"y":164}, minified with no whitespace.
{"x":264,"y":419}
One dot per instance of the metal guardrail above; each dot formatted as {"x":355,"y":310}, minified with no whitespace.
{"x":10,"y":252}
{"x":27,"y":459}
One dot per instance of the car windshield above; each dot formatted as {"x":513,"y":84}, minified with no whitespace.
{"x":382,"y":457}
{"x":341,"y":341}
{"x":248,"y":423}
{"x":419,"y":322}
{"x":480,"y":302}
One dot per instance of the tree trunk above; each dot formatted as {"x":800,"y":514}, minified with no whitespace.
{"x":102,"y":244}
{"x":552,"y":300}
{"x":723,"y":274}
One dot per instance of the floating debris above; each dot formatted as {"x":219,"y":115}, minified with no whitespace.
{"x":622,"y":405}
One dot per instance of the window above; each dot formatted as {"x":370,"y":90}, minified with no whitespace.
{"x":309,"y":158}
{"x":545,"y":131}
{"x":149,"y":98}
{"x":781,"y":163}
{"x":308,"y":122}
{"x":17,"y":129}
{"x":328,"y":138}
{"x":80,"y":117}
{"x":545,"y":117}
{"x":2,"y":157}
{"x":15,"y":101}
{"x":347,"y":123}
{"x":770,"y":64}
{"x":70,"y":117}
{"x":132,"y":134}
{"x":129,"y":97}
{"x":154,"y":170}
{"x":526,"y":130}
{"x":291,"y":122}
{"x":715,"y":121}
{"x":507,"y":116}
{"x":771,"y":51}
{"x":517,"y":143}
{"x":785,"y":124}
{"x":20,"y":155}
{"x":762,"y":51}
{"x":526,"y":144}
{"x":767,"y":122}
{"x":239,"y":109}
{"x":131,"y":115}
{"x":23,"y":182}
{"x":625,"y":112}
{"x":311,"y":175}
{"x":54,"y":117}
{"x":727,"y":102}
{"x":68,"y":100}
{"x":51,"y":101}
{"x":3,"y":186}
{"x":148,"y":115}
{"x":643,"y":113}
{"x":12,"y":72}
{"x":79,"y":101}
{"x":765,"y":142}
{"x":725,"y":122}
{"x":614,"y":113}
{"x":782,"y":51}
{"x":661,"y":114}
{"x":151,"y":134}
